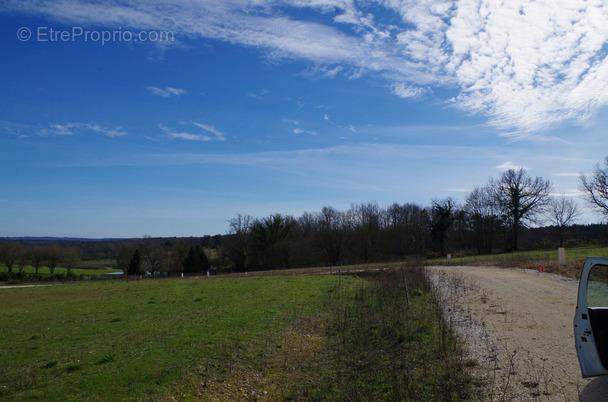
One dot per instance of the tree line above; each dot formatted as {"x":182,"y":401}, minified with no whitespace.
{"x":492,"y":218}
{"x":16,"y":257}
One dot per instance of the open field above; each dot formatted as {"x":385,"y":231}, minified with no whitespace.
{"x":272,"y":338}
{"x":133,"y":339}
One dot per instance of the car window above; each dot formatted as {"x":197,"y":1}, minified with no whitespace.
{"x":597,"y":286}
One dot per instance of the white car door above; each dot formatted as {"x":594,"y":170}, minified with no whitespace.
{"x":591,"y":318}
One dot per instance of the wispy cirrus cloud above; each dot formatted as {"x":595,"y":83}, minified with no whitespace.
{"x":525,"y":65}
{"x":302,"y":131}
{"x":259,"y":95}
{"x":166,"y":92}
{"x":61,"y":129}
{"x":190,"y":136}
{"x":406,"y":91}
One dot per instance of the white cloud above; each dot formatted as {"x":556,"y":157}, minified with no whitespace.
{"x":301,"y":131}
{"x":407,"y":91}
{"x":62,"y":129}
{"x":530,"y":65}
{"x":218,"y":134}
{"x":526,"y":65}
{"x":166,"y":92}
{"x":188,"y":136}
{"x":107,"y":131}
{"x":258,"y":95}
{"x":510,"y":165}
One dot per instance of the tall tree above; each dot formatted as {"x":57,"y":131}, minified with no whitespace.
{"x":135,"y":264}
{"x":442,"y":218}
{"x":238,"y":242}
{"x":153,"y":255}
{"x":268,"y":235}
{"x":196,"y":260}
{"x":562,"y":212}
{"x":482,"y":211}
{"x":520,"y":198}
{"x":330,"y":235}
{"x":363,"y":222}
{"x":595,"y":187}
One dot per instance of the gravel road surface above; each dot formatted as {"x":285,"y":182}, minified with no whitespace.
{"x":517,"y":325}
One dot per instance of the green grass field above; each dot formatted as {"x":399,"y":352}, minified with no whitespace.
{"x":116,"y":340}
{"x":321,"y":337}
{"x":44,"y":271}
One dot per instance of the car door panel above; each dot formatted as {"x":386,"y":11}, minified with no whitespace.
{"x":591,"y":318}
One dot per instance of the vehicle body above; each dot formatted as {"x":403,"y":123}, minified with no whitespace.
{"x":591,"y":318}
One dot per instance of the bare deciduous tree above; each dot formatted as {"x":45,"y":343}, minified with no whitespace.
{"x":595,"y":187}
{"x":237,"y":245}
{"x":561,"y":212}
{"x":483,"y":211}
{"x":153,"y":254}
{"x":521,"y":199}
{"x":268,"y":234}
{"x":442,"y":219}
{"x":331,"y":234}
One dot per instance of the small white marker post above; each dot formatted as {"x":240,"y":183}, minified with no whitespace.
{"x":561,"y":253}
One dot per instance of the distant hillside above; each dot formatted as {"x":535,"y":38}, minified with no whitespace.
{"x":106,"y":248}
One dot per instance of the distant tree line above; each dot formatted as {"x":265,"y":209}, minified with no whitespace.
{"x":505,"y":214}
{"x":16,"y":257}
{"x":493,"y":218}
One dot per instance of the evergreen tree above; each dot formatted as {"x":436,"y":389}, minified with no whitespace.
{"x":135,"y":264}
{"x":196,"y":261}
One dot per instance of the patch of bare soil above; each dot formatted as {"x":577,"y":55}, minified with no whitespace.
{"x":517,"y":329}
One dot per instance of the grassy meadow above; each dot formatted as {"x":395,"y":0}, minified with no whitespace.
{"x":136,"y":339}
{"x":265,"y":337}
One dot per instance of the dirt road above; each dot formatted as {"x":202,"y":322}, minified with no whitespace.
{"x":517,"y":325}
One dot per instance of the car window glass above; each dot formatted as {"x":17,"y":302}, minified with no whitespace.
{"x":597,"y":286}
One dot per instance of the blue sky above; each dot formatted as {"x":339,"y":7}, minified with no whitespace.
{"x":132,"y":118}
